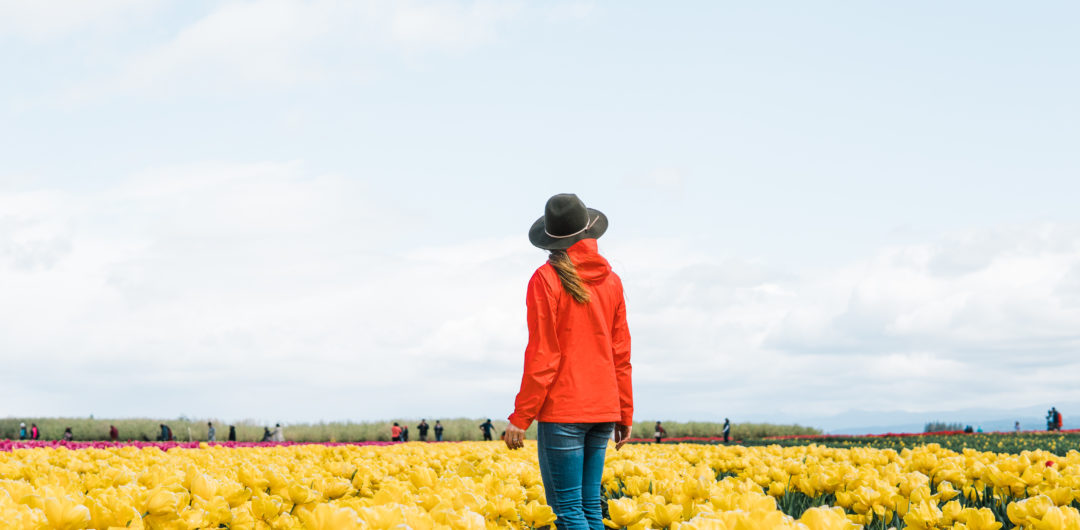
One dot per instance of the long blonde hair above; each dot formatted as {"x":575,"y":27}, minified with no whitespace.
{"x":568,"y":276}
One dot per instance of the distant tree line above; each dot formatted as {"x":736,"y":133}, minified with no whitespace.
{"x":941,"y":426}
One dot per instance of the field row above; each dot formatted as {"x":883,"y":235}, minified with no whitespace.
{"x":455,"y":429}
{"x":477,"y":485}
{"x":1054,"y":442}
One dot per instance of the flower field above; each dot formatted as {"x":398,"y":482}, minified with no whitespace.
{"x":473,"y":485}
{"x":1055,"y":442}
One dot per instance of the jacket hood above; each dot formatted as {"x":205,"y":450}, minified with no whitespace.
{"x":590,"y":265}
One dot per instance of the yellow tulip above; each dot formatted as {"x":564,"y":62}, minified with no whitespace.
{"x":826,"y":518}
{"x":423,"y":477}
{"x":242,"y":519}
{"x":1029,"y":511}
{"x":326,"y":517}
{"x":1062,"y":496}
{"x":333,"y":488}
{"x":923,"y":515}
{"x":195,"y":518}
{"x":66,"y":514}
{"x":161,"y":501}
{"x":382,"y":516}
{"x":204,"y":486}
{"x":251,"y":477}
{"x":467,"y":520}
{"x":950,"y":512}
{"x":981,"y":519}
{"x":235,"y":493}
{"x":666,"y":515}
{"x":624,"y":512}
{"x":536,"y":515}
{"x":285,"y":522}
{"x":300,"y":494}
{"x":500,"y":508}
{"x":265,"y":507}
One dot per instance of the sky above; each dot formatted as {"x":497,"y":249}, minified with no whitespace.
{"x":298,"y":211}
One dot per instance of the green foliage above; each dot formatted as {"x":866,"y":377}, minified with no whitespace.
{"x":940,"y":426}
{"x":739,"y":431}
{"x":184,"y":429}
{"x":457,"y":429}
{"x":1057,"y":442}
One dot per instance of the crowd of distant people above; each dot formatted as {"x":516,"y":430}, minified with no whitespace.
{"x":1053,"y":419}
{"x":398,"y":432}
{"x":165,"y":434}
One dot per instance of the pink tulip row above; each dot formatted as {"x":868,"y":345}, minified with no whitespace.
{"x":10,"y":445}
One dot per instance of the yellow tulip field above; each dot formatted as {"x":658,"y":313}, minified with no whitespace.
{"x":474,"y":485}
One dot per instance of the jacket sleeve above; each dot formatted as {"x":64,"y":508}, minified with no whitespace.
{"x":620,"y":349}
{"x":542,"y":355}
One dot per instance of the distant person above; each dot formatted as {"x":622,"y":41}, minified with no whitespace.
{"x":22,"y":431}
{"x":114,"y":433}
{"x":968,"y":429}
{"x":279,"y":434}
{"x":267,"y":435}
{"x":166,"y":433}
{"x":1016,"y":427}
{"x":211,"y":432}
{"x":67,"y":435}
{"x":979,"y":429}
{"x":1050,"y":418}
{"x":34,"y":432}
{"x":659,"y":432}
{"x":422,"y":428}
{"x":727,"y":430}
{"x":1057,"y":420}
{"x":487,"y":427}
{"x":576,"y":378}
{"x":395,"y":433}
{"x":232,"y":433}
{"x":438,"y":431}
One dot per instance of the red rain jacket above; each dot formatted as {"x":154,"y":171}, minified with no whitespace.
{"x":577,"y":363}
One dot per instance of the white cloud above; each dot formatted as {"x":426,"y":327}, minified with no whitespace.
{"x":664,"y":179}
{"x":419,"y":25}
{"x":1008,"y":290}
{"x":40,"y":20}
{"x":572,"y":10}
{"x":271,"y":44}
{"x":216,"y":282}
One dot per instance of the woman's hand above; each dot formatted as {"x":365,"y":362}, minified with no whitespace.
{"x":515,"y":437}
{"x":622,"y":434}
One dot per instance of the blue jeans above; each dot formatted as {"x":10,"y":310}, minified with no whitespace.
{"x":572,"y":464}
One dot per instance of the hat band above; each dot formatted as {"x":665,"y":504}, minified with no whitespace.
{"x":588,"y":225}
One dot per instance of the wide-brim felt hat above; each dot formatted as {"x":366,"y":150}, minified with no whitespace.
{"x":566,"y":221}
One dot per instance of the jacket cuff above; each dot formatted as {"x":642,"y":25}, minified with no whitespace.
{"x":627,"y":420}
{"x":519,"y":422}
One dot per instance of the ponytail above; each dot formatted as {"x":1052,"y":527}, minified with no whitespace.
{"x":568,"y":275}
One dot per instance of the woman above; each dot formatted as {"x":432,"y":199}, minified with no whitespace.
{"x":576,"y":381}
